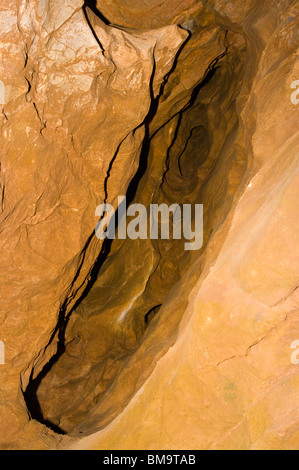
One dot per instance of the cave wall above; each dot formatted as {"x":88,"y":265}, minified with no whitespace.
{"x":155,"y":346}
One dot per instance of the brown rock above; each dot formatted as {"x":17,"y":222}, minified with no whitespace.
{"x":181,"y":103}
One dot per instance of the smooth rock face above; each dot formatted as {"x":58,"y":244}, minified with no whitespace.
{"x":140,"y":344}
{"x":145,"y":14}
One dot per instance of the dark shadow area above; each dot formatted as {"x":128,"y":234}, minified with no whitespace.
{"x":30,"y":394}
{"x":59,"y":334}
{"x":151,"y":314}
{"x":145,"y":150}
{"x":92,"y":4}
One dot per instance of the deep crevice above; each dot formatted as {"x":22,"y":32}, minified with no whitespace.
{"x":151,"y":314}
{"x":92,"y":4}
{"x":31,"y":392}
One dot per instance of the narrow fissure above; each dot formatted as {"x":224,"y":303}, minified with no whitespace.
{"x":30,"y":393}
{"x":187,"y":171}
{"x":92,"y":4}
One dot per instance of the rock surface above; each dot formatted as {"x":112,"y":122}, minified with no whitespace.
{"x":139,"y":344}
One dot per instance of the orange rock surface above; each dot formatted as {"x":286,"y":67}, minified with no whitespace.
{"x":140,"y":344}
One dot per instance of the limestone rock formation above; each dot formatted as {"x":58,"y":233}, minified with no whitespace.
{"x":140,"y":344}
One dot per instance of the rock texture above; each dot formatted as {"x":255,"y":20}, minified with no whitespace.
{"x":139,"y":344}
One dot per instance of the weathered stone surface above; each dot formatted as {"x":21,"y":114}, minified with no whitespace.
{"x":174,"y":102}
